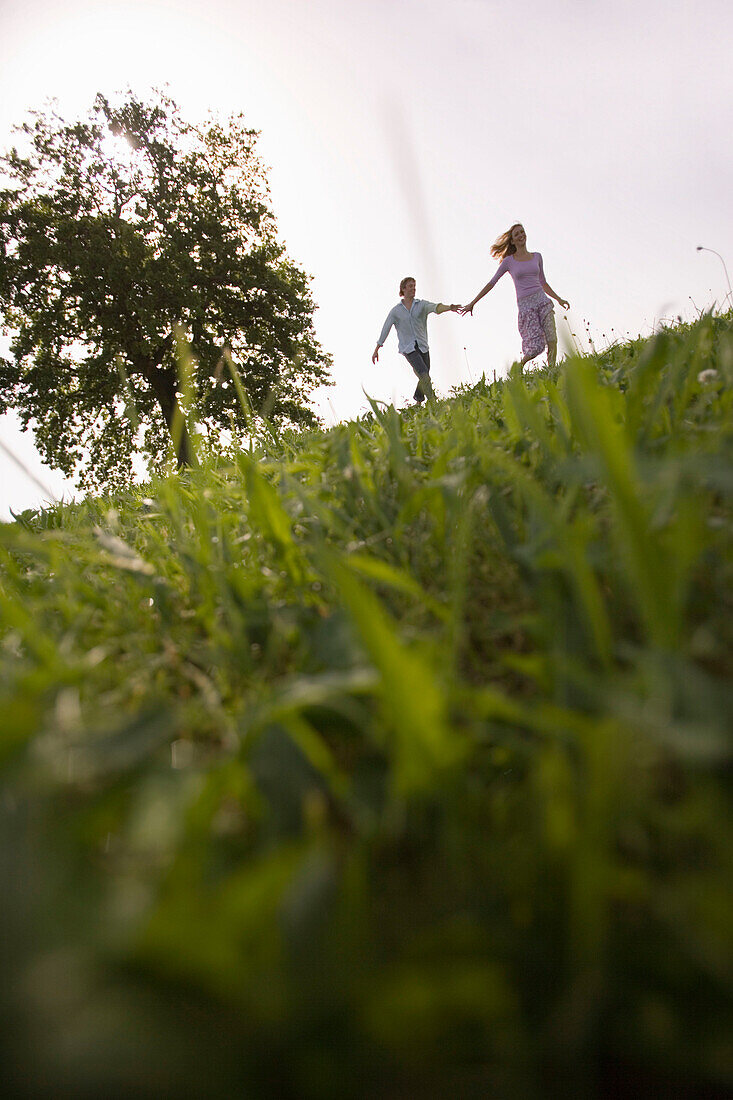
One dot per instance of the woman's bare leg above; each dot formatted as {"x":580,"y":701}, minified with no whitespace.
{"x":548,"y":325}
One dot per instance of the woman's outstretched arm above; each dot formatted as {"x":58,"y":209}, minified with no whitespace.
{"x":503,"y":266}
{"x":469,"y":308}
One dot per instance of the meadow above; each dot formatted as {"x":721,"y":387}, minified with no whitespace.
{"x":385,"y":761}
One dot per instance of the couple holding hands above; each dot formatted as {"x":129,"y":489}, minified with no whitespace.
{"x":536,"y":312}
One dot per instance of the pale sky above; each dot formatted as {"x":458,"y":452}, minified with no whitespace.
{"x":403,"y":137}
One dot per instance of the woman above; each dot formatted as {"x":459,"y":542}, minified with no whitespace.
{"x":536,"y":312}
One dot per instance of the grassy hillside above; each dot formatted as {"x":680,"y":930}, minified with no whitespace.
{"x":392,"y":761}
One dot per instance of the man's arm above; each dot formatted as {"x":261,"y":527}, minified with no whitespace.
{"x":440,"y":308}
{"x":383,"y":336}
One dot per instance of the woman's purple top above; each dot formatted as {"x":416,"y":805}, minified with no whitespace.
{"x":528,"y":275}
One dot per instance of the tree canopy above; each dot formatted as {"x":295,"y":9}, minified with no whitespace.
{"x":118,"y":232}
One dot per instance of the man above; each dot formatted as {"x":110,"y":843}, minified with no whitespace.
{"x":410,"y":319}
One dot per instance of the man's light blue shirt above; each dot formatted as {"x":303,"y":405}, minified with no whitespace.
{"x":411,"y":325}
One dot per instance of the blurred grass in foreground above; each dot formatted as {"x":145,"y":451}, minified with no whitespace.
{"x":387,"y":761}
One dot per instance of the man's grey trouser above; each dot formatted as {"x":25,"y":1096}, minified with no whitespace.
{"x":420,"y":363}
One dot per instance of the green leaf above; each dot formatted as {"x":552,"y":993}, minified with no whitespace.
{"x":414,"y":702}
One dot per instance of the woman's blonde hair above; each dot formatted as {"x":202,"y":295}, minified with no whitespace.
{"x":503,"y":245}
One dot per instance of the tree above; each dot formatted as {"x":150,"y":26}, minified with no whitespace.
{"x":114,"y":231}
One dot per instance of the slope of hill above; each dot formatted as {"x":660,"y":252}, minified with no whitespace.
{"x":388,"y":761}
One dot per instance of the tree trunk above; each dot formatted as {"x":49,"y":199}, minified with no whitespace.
{"x":162,"y":381}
